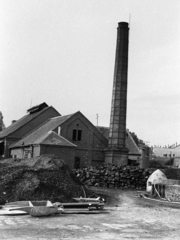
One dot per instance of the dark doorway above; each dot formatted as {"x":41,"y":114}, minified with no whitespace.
{"x":77,"y":162}
{"x":1,"y":148}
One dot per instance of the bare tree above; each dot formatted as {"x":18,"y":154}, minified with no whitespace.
{"x":2,"y":125}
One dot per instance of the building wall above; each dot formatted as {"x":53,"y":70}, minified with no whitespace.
{"x":83,"y":156}
{"x":98,"y":157}
{"x":91,"y":147}
{"x":25,"y":152}
{"x":17,"y":153}
{"x":176,"y":162}
{"x":36,"y":151}
{"x":7,"y":142}
{"x":65,"y":153}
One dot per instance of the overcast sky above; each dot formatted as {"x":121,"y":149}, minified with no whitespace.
{"x":62,"y":52}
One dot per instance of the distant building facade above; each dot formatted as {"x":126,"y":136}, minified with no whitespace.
{"x":166,"y":152}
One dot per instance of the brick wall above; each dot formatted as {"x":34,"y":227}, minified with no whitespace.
{"x":91,"y":140}
{"x":65,"y":153}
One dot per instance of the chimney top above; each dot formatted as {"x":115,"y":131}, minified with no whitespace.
{"x":13,"y":121}
{"x":123,"y":24}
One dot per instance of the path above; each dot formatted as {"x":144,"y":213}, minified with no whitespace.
{"x":128,"y":220}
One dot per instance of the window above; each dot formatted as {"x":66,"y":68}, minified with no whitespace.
{"x":77,"y":135}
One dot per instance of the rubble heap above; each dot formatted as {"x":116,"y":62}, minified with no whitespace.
{"x":42,"y":178}
{"x":114,"y":176}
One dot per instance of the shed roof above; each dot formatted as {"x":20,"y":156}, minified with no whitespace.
{"x":52,"y":138}
{"x":49,"y":125}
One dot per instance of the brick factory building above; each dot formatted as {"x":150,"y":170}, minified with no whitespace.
{"x":71,"y":137}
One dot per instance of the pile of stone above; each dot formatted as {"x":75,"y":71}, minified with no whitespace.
{"x":114,"y":176}
{"x":42,"y":178}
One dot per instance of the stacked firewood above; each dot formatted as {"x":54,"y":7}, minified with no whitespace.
{"x":114,"y":176}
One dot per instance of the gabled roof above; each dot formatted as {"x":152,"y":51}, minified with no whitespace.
{"x":21,"y":122}
{"x":52,"y":138}
{"x":43,"y":129}
{"x":130,"y":143}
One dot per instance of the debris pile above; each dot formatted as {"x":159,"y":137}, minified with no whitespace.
{"x":42,"y":178}
{"x":114,"y":176}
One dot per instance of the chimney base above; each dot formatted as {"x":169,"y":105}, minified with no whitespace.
{"x":116,"y":156}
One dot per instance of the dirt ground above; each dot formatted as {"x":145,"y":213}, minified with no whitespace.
{"x":126,"y":216}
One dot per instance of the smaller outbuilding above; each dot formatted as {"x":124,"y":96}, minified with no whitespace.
{"x":48,"y":143}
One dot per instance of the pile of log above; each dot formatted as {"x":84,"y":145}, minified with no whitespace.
{"x":114,"y":176}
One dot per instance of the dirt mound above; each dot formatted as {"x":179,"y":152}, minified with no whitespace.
{"x":43,"y":178}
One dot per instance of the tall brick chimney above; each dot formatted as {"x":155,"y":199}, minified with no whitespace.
{"x":117,"y":153}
